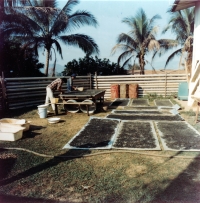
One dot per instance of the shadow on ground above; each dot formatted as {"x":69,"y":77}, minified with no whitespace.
{"x":185,"y":188}
{"x":43,"y":166}
{"x":15,"y":199}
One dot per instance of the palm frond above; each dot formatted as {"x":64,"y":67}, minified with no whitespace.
{"x":80,"y":18}
{"x":124,"y":64}
{"x":58,"y":47}
{"x":177,"y":52}
{"x":82,"y":41}
{"x":69,"y":5}
{"x":122,"y":47}
{"x":166,"y":44}
{"x":123,"y":56}
{"x":153,"y":44}
{"x":127,"y":39}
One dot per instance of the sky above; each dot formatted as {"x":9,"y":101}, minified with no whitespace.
{"x":109,"y":14}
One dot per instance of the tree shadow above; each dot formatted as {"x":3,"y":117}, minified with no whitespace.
{"x":6,"y":164}
{"x":30,"y":133}
{"x":15,"y":199}
{"x":185,"y":188}
{"x":18,"y":112}
{"x":74,"y":154}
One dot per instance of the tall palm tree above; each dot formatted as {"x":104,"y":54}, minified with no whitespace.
{"x":43,"y":25}
{"x":181,"y":23}
{"x":140,"y":40}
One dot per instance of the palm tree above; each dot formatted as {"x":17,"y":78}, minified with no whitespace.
{"x":43,"y":25}
{"x":181,"y":23}
{"x":140,"y":40}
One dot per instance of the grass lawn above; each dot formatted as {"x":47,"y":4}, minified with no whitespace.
{"x":111,"y":177}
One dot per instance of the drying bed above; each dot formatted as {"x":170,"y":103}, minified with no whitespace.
{"x":163,"y":102}
{"x":149,"y":108}
{"x":138,"y":112}
{"x":178,"y":136}
{"x":120,"y":102}
{"x":145,"y":117}
{"x":139,"y":102}
{"x":98,"y":133}
{"x":136,"y":135}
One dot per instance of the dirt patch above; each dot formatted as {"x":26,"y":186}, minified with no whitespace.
{"x":135,"y":170}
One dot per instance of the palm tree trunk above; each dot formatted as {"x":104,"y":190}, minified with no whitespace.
{"x":54,"y":69}
{"x":142,"y":63}
{"x":47,"y":62}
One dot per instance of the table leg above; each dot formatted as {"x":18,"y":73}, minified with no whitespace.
{"x":87,"y":110}
{"x":56,"y":109}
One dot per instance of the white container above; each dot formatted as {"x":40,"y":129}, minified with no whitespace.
{"x":11,"y":134}
{"x":54,"y":100}
{"x":71,"y":106}
{"x":53,"y":120}
{"x":42,"y":110}
{"x":91,"y":106}
{"x":11,"y":122}
{"x":80,"y":89}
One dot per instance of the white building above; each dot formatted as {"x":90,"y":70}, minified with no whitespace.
{"x":195,"y":73}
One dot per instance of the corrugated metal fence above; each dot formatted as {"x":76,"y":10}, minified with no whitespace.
{"x":161,"y":84}
{"x":24,"y":92}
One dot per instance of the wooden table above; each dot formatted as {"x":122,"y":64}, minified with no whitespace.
{"x":91,"y":94}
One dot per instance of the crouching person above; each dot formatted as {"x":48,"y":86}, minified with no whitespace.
{"x":56,"y":85}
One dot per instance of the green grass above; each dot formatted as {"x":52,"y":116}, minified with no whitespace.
{"x":110,"y":178}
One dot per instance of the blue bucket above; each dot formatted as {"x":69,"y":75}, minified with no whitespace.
{"x":42,"y":110}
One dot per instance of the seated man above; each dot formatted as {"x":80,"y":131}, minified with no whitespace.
{"x":55,"y":85}
{"x":70,"y":86}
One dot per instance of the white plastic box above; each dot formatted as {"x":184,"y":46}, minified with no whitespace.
{"x":11,"y":134}
{"x":11,"y":122}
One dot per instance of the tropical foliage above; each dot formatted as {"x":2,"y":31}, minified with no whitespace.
{"x":18,"y":62}
{"x":42,"y":25}
{"x":90,"y":65}
{"x":181,"y":23}
{"x":140,"y":40}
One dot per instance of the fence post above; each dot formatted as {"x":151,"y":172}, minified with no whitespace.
{"x":96,"y":80}
{"x":4,"y":97}
{"x":90,"y":80}
{"x":165,"y":84}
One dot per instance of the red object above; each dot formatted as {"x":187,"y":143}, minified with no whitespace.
{"x":114,"y":91}
{"x":133,"y":88}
